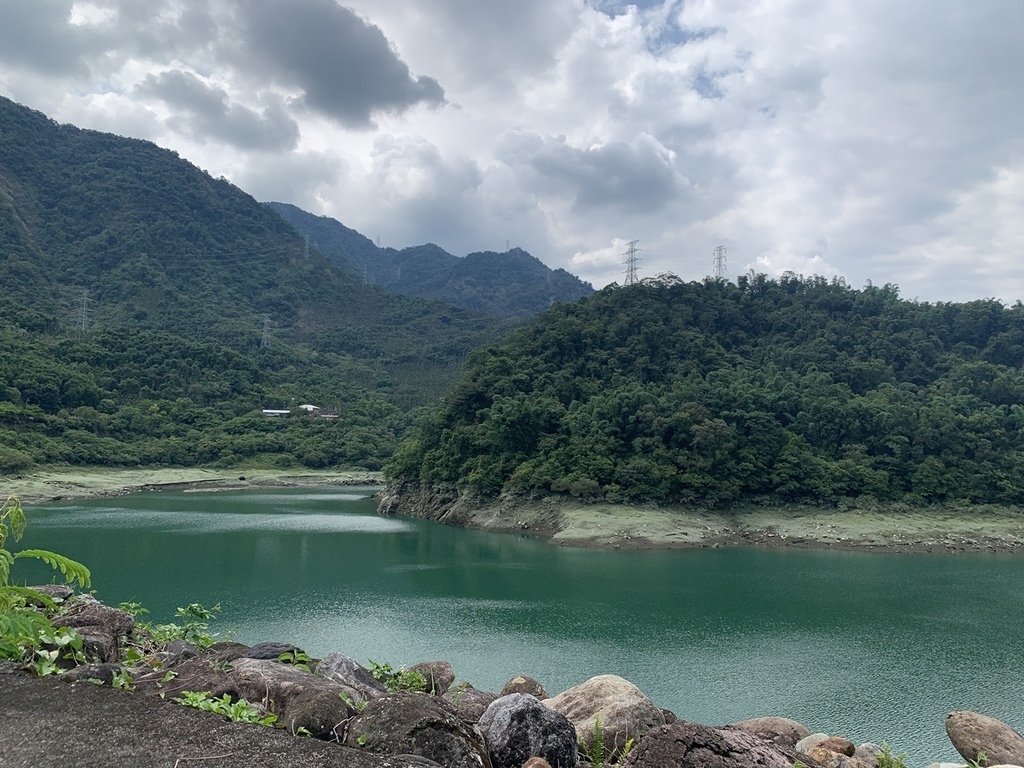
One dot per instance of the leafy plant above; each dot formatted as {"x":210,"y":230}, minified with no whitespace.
{"x":296,"y":659}
{"x":240,"y":711}
{"x":595,"y":751}
{"x":888,"y":760}
{"x":398,"y":680}
{"x":194,"y":629}
{"x":22,"y":626}
{"x":980,"y":762}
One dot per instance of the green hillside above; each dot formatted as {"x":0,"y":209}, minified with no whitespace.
{"x":136,"y":283}
{"x":713,"y":393}
{"x":511,"y":284}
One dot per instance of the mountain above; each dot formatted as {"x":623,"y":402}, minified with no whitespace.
{"x":149,"y":310}
{"x":509,"y":284}
{"x":712,"y":393}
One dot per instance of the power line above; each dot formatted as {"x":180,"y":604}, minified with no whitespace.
{"x":631,"y":262}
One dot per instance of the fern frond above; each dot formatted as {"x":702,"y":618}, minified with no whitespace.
{"x":73,"y":571}
{"x":27,"y":594}
{"x":6,"y":561}
{"x":17,"y":517}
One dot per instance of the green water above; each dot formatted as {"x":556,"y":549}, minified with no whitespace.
{"x":868,"y":646}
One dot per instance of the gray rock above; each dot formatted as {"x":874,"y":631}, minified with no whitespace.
{"x":469,"y":702}
{"x":438,"y":674}
{"x":92,"y":672}
{"x":524,"y":684}
{"x":809,"y":741}
{"x":973,"y":733}
{"x":100,"y":627}
{"x":868,"y":754}
{"x":196,"y":674}
{"x":692,"y":745}
{"x":778,"y":730}
{"x":300,"y":699}
{"x":517,"y":727}
{"x":418,"y":724}
{"x":271,"y":651}
{"x":623,"y":709}
{"x":341,"y":669}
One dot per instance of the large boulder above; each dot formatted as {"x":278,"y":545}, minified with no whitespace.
{"x":191,"y":674}
{"x":524,"y":684}
{"x":438,"y":674}
{"x":779,"y":730}
{"x":418,"y":724}
{"x":692,"y":745}
{"x":100,"y":627}
{"x":517,"y":727}
{"x":607,"y":711}
{"x":469,"y":702}
{"x":300,"y":699}
{"x":339,"y":668}
{"x":973,"y":733}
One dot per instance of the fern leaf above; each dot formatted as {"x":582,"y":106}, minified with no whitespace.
{"x":27,"y":594}
{"x":73,"y":571}
{"x":18,"y":521}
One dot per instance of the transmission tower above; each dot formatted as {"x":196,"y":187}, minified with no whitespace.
{"x":718,"y":260}
{"x":366,"y":275}
{"x":305,"y":254}
{"x":82,"y":321}
{"x":631,"y":262}
{"x":265,"y":339}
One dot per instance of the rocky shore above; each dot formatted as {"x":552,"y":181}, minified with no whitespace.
{"x":117,"y":700}
{"x":865,"y":526}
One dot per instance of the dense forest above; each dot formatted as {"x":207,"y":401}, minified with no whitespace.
{"x":714,"y":393}
{"x":150,"y":311}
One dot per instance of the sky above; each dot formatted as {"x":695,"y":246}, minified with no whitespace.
{"x":875,"y":141}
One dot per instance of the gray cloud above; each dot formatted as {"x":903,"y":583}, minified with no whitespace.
{"x":637,"y":176}
{"x":37,"y":35}
{"x":344,"y":65}
{"x":203,"y":111}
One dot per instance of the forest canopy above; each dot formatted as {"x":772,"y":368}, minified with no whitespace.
{"x":713,"y":393}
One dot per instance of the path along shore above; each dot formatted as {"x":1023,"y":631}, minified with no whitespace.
{"x":868,"y":527}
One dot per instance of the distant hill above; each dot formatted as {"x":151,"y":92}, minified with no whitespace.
{"x":510,"y":284}
{"x":149,"y":310}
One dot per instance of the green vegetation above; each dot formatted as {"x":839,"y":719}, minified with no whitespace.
{"x":239,"y":711}
{"x":712,"y":393}
{"x":26,"y":634}
{"x":889,"y":760}
{"x":398,"y":679}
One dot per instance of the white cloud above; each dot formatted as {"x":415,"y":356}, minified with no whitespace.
{"x":876,"y":141}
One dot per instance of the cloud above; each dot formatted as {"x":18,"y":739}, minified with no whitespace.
{"x":39,"y":36}
{"x":342,"y":65}
{"x":205,"y":111}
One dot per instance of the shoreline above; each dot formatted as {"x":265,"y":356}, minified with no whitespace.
{"x":63,"y":483}
{"x":869,"y":527}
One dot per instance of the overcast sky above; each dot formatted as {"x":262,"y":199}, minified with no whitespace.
{"x":875,"y":140}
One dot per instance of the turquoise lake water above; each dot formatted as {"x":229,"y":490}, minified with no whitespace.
{"x":864,"y":645}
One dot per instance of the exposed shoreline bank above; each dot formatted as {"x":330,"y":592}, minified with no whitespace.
{"x":875,"y":527}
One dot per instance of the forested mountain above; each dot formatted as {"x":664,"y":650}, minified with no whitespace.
{"x":134,"y":283}
{"x":513,"y":283}
{"x":713,"y":393}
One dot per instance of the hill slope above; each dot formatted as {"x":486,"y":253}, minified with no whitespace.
{"x":147,"y":306}
{"x":509,"y":284}
{"x":712,"y":393}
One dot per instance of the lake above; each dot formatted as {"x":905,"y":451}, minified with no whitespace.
{"x":868,"y":646}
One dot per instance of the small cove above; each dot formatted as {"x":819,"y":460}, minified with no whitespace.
{"x":870,"y":646}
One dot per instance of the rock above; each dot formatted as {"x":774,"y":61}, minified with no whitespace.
{"x":692,"y":745}
{"x":272,"y":651}
{"x":439,"y":675}
{"x":517,"y":727}
{"x":623,"y":709}
{"x":537,"y":762}
{"x":868,"y":754}
{"x":778,"y":730}
{"x":341,"y":669}
{"x":299,"y":698}
{"x":100,"y":627}
{"x":809,"y":741}
{"x":469,"y":702}
{"x":829,"y":758}
{"x":418,"y":724}
{"x":56,"y":592}
{"x":196,"y":674}
{"x":973,"y":733}
{"x":524,"y":684}
{"x":839,"y":745}
{"x":226,"y":652}
{"x":92,"y":672}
